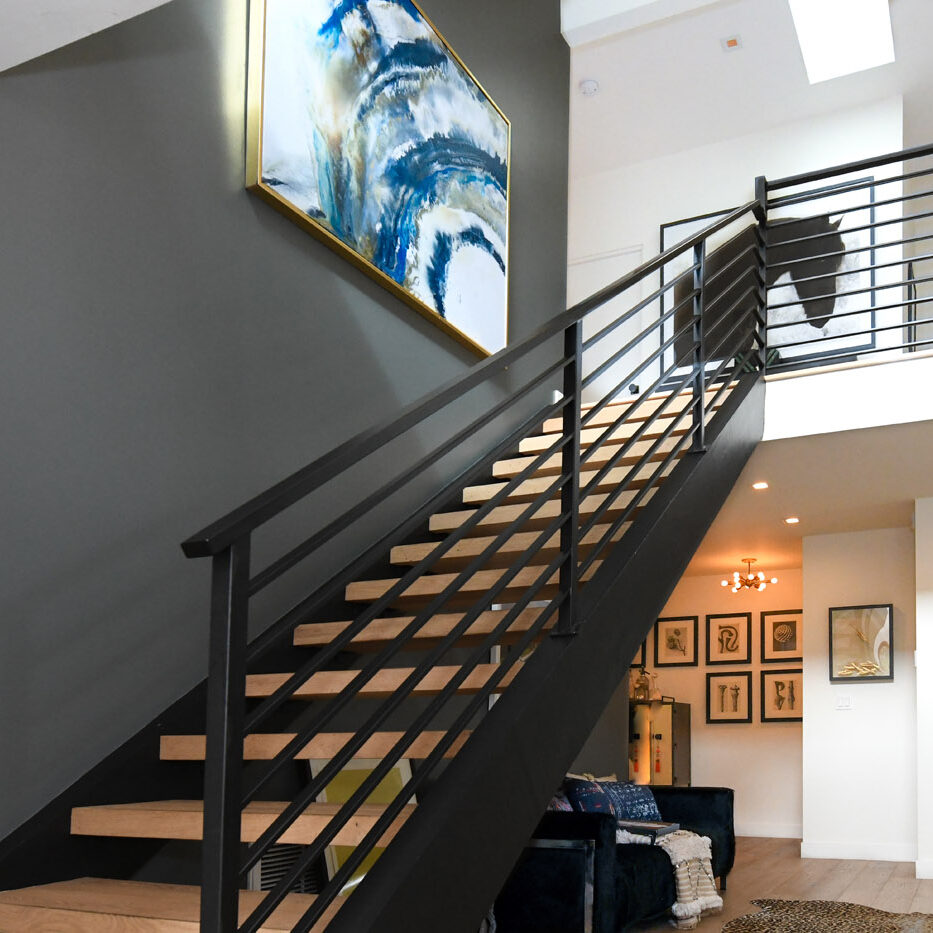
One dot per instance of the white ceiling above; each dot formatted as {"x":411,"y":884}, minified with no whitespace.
{"x":669,"y":85}
{"x":847,"y":481}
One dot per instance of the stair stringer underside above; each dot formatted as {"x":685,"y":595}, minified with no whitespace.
{"x":446,"y":866}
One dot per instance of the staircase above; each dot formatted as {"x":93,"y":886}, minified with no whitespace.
{"x":559,"y":544}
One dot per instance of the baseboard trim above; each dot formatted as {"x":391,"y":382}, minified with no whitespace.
{"x":924,"y":868}
{"x":769,"y":830}
{"x":871,"y":851}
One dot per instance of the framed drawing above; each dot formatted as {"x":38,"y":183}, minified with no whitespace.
{"x":729,"y":697}
{"x":342,"y":786}
{"x":782,"y":696}
{"x":782,"y":636}
{"x":675,"y":641}
{"x":861,"y":644}
{"x":729,"y":638}
{"x":641,"y":656}
{"x":367,"y":130}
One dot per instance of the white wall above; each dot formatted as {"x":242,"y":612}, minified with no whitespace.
{"x":860,"y":764}
{"x":626,"y":206}
{"x":923,"y":522}
{"x":761,"y":761}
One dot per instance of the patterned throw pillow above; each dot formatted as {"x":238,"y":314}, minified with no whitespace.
{"x":631,"y":801}
{"x":588,"y":797}
{"x":559,"y":802}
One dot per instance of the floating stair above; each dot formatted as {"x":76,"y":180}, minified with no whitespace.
{"x":184,"y":819}
{"x":96,"y":905}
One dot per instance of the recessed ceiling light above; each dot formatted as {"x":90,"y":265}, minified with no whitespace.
{"x":840,"y":37}
{"x":761,"y":485}
{"x":792,"y":520}
{"x":589,"y":87}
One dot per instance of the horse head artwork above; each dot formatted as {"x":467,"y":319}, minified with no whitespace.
{"x":809,"y":252}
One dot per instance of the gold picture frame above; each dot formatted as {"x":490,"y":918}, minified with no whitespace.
{"x":326,"y":180}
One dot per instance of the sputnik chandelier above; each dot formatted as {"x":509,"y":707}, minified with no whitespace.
{"x":748,"y":580}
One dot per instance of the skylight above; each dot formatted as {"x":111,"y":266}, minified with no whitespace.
{"x":840,"y":37}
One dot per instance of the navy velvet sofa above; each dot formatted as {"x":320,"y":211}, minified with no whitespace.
{"x":631,"y":883}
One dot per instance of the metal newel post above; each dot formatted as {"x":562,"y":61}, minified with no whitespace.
{"x":220,"y":876}
{"x":761,"y":215}
{"x":570,"y":492}
{"x":699,"y":352}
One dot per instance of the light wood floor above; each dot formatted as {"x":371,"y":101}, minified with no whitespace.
{"x":774,"y":868}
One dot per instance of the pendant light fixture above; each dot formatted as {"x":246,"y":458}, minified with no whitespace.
{"x":748,"y":580}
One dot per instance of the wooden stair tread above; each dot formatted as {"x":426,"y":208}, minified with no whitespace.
{"x":263,"y":746}
{"x":502,"y":516}
{"x":383,"y":684}
{"x":427,"y":587}
{"x":183,"y":819}
{"x":466,"y":550}
{"x":380,"y":631}
{"x":506,"y":469}
{"x":98,"y":905}
{"x":529,"y":490}
{"x":541,"y":442}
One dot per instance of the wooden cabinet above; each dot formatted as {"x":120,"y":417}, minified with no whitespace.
{"x":659,"y":742}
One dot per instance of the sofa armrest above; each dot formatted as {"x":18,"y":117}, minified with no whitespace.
{"x":697,"y":804}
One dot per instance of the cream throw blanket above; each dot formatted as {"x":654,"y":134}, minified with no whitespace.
{"x":690,"y":855}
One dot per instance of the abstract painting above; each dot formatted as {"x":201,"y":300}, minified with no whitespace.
{"x":729,"y":697}
{"x":782,"y":636}
{"x":861,"y":644}
{"x":368,"y":131}
{"x":782,"y":696}
{"x":675,"y":641}
{"x":729,"y":638}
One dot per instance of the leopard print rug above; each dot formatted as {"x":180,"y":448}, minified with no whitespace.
{"x":826,"y":917}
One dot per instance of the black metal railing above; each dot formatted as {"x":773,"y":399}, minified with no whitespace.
{"x":845,"y":245}
{"x":599,"y":469}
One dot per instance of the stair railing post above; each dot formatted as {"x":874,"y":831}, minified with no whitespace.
{"x":226,"y":704}
{"x":567,"y":623}
{"x":699,"y":352}
{"x":761,"y":216}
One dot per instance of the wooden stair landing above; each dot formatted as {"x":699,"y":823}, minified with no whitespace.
{"x":95,"y":905}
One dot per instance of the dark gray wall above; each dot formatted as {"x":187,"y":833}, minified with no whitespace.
{"x":172,"y":346}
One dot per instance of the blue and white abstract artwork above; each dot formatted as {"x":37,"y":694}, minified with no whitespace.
{"x":375,"y":132}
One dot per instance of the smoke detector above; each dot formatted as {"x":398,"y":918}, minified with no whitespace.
{"x":589,"y":87}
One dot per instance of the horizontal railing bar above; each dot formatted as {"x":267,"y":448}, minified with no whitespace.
{"x":753,"y":333}
{"x":304,"y":550}
{"x":642,"y":304}
{"x":872,"y":205}
{"x":834,"y":190}
{"x":611,"y":497}
{"x":313,"y":914}
{"x":604,"y":471}
{"x":843,"y":355}
{"x":336,"y":583}
{"x":636,"y":437}
{"x":734,"y":354}
{"x":637,"y":499}
{"x":724,"y":292}
{"x":902,"y":155}
{"x":711,"y":328}
{"x":381,"y":659}
{"x":909,"y":218}
{"x":260,"y":509}
{"x":854,"y":291}
{"x":608,"y":363}
{"x":378,"y":606}
{"x":851,"y":252}
{"x":291,"y":812}
{"x":653,"y":265}
{"x":861,"y":269}
{"x":869,"y":310}
{"x":900,"y":325}
{"x":712,"y":278}
{"x":320,"y":780}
